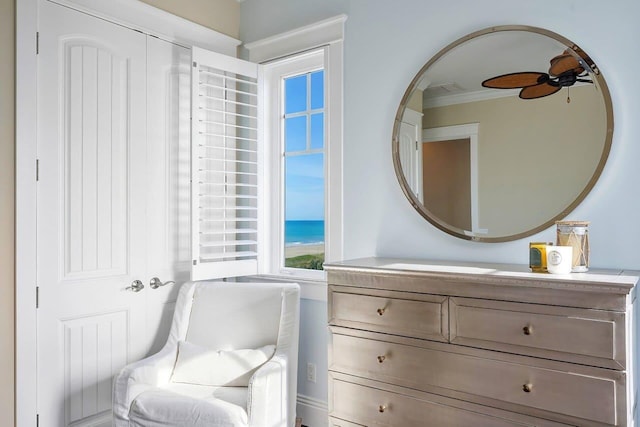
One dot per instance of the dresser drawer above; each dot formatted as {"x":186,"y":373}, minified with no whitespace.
{"x":370,"y":406}
{"x":337,"y":422}
{"x":591,"y":337}
{"x":398,"y":313}
{"x":582,"y":396}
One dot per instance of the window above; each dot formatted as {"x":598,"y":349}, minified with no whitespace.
{"x":303,"y":170}
{"x":295,"y":116}
{"x":300,"y":168}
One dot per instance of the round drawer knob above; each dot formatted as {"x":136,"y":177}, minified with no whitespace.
{"x":380,"y":311}
{"x":527,"y":388}
{"x":527,"y":330}
{"x":381,"y":359}
{"x":382,"y":408}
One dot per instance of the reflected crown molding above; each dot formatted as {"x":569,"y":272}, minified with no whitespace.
{"x":462,"y":98}
{"x":480,"y":95}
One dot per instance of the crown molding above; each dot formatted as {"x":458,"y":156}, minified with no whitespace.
{"x":321,"y":33}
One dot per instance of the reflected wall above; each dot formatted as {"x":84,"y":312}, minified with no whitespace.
{"x":533,"y":156}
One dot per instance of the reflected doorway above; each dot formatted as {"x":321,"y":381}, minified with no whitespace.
{"x":449,"y":170}
{"x":447,"y":180}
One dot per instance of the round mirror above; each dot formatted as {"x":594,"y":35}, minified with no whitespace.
{"x":502,"y":133}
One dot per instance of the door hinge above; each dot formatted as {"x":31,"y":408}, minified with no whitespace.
{"x":416,"y":145}
{"x":37,"y":296}
{"x":37,"y":420}
{"x":37,"y":169}
{"x":37,"y":42}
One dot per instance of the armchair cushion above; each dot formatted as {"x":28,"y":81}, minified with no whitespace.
{"x":232,"y":368}
{"x":197,"y":406}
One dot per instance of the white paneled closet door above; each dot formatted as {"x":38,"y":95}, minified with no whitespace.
{"x":113,"y":205}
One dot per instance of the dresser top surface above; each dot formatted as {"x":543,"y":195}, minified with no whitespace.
{"x":414,"y":267}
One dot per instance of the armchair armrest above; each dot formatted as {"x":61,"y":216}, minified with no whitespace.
{"x":267,"y":401}
{"x":133,"y":379}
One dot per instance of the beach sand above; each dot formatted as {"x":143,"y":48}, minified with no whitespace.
{"x":297,"y":250}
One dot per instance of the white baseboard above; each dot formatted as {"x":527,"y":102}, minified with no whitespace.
{"x":314,"y":412}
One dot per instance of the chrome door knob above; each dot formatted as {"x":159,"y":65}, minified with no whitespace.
{"x":155,"y":283}
{"x":136,"y":286}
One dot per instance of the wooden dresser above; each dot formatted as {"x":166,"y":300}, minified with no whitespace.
{"x":419,"y":343}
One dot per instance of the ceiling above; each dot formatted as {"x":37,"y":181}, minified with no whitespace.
{"x":462,"y":69}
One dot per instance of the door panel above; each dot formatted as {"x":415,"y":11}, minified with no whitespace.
{"x":91,"y":211}
{"x":91,"y":344}
{"x":95,"y":171}
{"x":168,"y":195}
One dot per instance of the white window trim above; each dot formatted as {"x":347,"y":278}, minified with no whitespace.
{"x":326,"y":36}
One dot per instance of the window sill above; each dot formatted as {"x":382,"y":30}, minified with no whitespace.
{"x":310,"y":289}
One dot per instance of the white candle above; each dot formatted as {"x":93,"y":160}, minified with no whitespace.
{"x":559,"y":259}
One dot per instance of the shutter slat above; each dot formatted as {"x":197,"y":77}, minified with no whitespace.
{"x":224,"y":243}
{"x":217,"y":74}
{"x":228,"y":255}
{"x":222,"y":184}
{"x":215,"y":196}
{"x":219,"y":135}
{"x":226,"y":172}
{"x":228,"y":101}
{"x":213,"y":122}
{"x":230,"y":208}
{"x":230,"y":231}
{"x":242,"y":92}
{"x":229,"y":220}
{"x":228,"y":113}
{"x":217,"y":147}
{"x":216,"y":159}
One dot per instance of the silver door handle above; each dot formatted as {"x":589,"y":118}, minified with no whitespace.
{"x":136,"y":286}
{"x":155,"y":283}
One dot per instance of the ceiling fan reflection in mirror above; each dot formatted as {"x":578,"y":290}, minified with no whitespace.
{"x":565,"y":70}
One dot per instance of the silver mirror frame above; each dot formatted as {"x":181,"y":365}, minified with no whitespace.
{"x":457,"y":232}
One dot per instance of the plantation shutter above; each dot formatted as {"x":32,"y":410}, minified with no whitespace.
{"x":224,"y":166}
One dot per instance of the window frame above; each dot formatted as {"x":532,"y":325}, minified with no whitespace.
{"x":325,"y":37}
{"x":275,"y":74}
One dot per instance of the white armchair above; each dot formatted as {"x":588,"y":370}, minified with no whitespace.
{"x":251,"y":329}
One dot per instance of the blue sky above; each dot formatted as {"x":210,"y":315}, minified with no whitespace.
{"x":304,"y":174}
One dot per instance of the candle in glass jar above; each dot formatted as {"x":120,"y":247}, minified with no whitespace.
{"x":576,"y":235}
{"x":538,"y":256}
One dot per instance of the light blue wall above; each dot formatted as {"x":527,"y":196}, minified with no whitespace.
{"x":386,"y":43}
{"x":313,"y":348}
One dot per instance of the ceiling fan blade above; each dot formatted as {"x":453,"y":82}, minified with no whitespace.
{"x":538,"y":91}
{"x":563,"y":63}
{"x":516,"y":80}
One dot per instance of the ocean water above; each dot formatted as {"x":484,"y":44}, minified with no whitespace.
{"x":303,"y":232}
